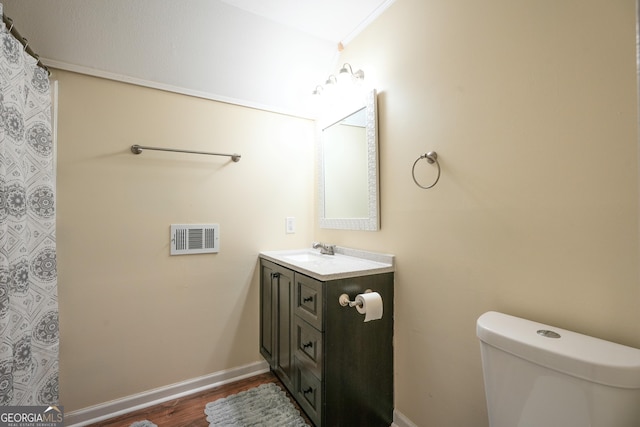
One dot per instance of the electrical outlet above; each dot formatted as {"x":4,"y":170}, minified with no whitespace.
{"x":290,"y":225}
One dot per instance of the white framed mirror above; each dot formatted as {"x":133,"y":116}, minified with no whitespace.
{"x":348,"y":190}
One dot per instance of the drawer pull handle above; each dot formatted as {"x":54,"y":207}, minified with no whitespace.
{"x":307,"y":391}
{"x":275,"y":275}
{"x":307,"y":299}
{"x":307,"y":345}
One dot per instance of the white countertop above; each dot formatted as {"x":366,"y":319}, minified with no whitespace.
{"x":345,"y":263}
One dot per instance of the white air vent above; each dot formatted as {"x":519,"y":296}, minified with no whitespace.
{"x":187,"y":239}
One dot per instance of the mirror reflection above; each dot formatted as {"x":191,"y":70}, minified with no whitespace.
{"x":345,"y":168}
{"x":348,"y":175}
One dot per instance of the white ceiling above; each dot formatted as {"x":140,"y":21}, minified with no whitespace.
{"x":333,"y":20}
{"x":266,"y":54}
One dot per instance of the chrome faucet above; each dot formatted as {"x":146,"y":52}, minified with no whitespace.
{"x":324,"y":248}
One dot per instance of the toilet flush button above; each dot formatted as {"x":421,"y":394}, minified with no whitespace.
{"x":548,"y":334}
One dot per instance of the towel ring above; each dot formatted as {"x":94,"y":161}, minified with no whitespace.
{"x":432,"y":157}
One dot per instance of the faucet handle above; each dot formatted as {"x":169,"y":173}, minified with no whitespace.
{"x":328,"y":249}
{"x":324,"y":248}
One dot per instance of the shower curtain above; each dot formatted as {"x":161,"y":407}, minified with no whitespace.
{"x":28,"y":275}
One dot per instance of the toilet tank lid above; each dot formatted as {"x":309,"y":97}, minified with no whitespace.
{"x":581,"y":356}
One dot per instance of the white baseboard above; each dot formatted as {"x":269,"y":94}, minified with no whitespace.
{"x":399,"y":420}
{"x":114,"y":408}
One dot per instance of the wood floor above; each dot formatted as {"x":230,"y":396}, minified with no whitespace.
{"x":189,"y":410}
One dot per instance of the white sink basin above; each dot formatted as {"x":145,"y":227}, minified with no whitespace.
{"x":307,"y":257}
{"x":345,"y":263}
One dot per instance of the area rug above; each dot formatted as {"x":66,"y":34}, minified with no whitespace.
{"x":264,"y":406}
{"x":144,"y":423}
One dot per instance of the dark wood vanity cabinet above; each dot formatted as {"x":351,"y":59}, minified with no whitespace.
{"x":338,"y":367}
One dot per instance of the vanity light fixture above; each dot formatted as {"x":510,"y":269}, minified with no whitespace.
{"x":331,"y":80}
{"x":347,"y":71}
{"x":345,"y":74}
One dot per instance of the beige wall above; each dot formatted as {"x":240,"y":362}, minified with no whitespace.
{"x":132,"y":317}
{"x":531,"y":106}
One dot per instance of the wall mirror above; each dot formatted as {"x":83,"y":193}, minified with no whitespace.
{"x":348,"y":166}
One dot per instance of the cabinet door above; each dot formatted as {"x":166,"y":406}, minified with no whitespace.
{"x":268,"y":305}
{"x":284,"y":340}
{"x":276,"y":319}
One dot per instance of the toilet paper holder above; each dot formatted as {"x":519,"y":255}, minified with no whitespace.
{"x":345,"y":301}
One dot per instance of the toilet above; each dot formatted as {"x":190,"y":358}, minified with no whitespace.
{"x":537,"y":375}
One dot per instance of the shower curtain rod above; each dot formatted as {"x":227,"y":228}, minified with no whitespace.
{"x":137,"y":149}
{"x":12,"y":29}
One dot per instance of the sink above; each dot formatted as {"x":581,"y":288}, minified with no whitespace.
{"x":307,"y":257}
{"x":344,"y":263}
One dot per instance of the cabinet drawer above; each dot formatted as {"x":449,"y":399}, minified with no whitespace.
{"x":308,"y":300}
{"x":308,"y":392}
{"x":308,"y":346}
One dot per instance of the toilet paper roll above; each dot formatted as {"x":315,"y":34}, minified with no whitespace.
{"x":369,"y":304}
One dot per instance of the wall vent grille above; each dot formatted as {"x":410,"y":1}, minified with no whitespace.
{"x":187,"y":239}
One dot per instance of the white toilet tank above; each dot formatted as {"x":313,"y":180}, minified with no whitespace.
{"x":537,"y":375}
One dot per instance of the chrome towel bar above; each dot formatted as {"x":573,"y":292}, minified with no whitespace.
{"x":137,"y":149}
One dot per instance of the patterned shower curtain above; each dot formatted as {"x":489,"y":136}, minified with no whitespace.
{"x":28,"y":275}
